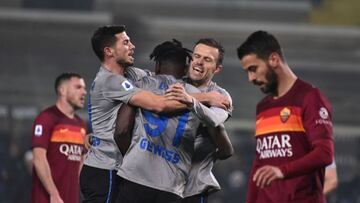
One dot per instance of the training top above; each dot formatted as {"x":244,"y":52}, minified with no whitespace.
{"x":287,"y":129}
{"x":63,"y":139}
{"x":160,"y":153}
{"x":107,"y":93}
{"x":201,"y":179}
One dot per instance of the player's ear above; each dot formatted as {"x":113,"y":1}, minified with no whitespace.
{"x":108,"y":51}
{"x":218,"y":68}
{"x":62,"y":89}
{"x":274,"y":60}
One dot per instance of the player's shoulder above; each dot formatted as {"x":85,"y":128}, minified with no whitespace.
{"x":48,"y":114}
{"x":215,"y":87}
{"x":135,"y":73}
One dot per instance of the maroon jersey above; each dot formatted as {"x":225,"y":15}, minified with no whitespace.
{"x":63,"y":138}
{"x":287,"y":130}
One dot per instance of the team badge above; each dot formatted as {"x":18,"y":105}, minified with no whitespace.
{"x":127,"y":85}
{"x":323,"y":113}
{"x":38,"y":130}
{"x":285,"y":114}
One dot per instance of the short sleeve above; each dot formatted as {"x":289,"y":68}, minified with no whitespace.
{"x":317,"y":116}
{"x":119,"y":88}
{"x":42,"y":130}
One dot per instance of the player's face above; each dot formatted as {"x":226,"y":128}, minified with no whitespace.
{"x":75,"y":92}
{"x":123,"y":50}
{"x":204,"y":64}
{"x":260,"y":73}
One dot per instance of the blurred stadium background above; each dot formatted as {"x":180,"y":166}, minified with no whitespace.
{"x":40,"y":39}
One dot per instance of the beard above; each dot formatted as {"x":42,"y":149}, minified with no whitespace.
{"x":271,"y":85}
{"x":123,"y":63}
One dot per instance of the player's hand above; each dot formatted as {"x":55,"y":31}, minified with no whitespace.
{"x":266,"y":174}
{"x":218,"y":100}
{"x":177,"y":92}
{"x":56,"y":199}
{"x":87,"y":141}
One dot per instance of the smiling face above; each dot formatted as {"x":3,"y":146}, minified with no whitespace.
{"x":204,"y":64}
{"x":260,"y":73}
{"x":123,"y":50}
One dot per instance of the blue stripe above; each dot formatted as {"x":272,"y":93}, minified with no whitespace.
{"x":89,"y":107}
{"x":110,"y":186}
{"x":202,"y":199}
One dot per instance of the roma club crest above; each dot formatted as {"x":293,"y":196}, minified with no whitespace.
{"x":285,"y":114}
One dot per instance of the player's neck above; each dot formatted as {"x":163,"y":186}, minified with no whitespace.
{"x":201,"y":84}
{"x":113,"y":67}
{"x":65,"y":108}
{"x":285,"y":82}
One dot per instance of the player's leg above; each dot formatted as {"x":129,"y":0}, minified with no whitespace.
{"x":167,"y":197}
{"x":131,"y":192}
{"x":97,"y":185}
{"x":200,"y":198}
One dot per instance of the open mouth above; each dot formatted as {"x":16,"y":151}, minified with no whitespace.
{"x":198,"y":69}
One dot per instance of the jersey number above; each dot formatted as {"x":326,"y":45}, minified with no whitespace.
{"x":160,"y":123}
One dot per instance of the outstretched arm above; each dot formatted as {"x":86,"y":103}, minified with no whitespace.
{"x":123,"y":127}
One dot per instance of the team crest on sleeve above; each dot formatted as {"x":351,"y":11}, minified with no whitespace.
{"x":38,"y":130}
{"x":285,"y":114}
{"x":323,"y":113}
{"x":127,"y":85}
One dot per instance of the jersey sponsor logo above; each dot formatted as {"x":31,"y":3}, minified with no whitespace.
{"x":38,"y":130}
{"x":274,"y":146}
{"x":73,"y":152}
{"x":127,"y":85}
{"x":167,"y":154}
{"x":285,"y":114}
{"x":324,"y":117}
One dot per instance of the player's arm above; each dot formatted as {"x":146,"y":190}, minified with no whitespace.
{"x":212,"y":116}
{"x":43,"y":171}
{"x":123,"y":127}
{"x":212,"y":98}
{"x":155,"y":103}
{"x":331,"y":180}
{"x":222,"y":141}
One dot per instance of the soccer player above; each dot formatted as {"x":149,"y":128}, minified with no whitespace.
{"x":111,"y":88}
{"x":210,"y":144}
{"x":58,"y":144}
{"x":156,"y":165}
{"x":294,"y":131}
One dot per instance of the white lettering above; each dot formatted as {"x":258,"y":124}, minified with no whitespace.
{"x":73,"y":152}
{"x":273,"y":146}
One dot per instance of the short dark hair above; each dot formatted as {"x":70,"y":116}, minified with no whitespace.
{"x":213,"y":43}
{"x":103,"y":37}
{"x":260,"y":43}
{"x":63,"y":78}
{"x":171,"y":51}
